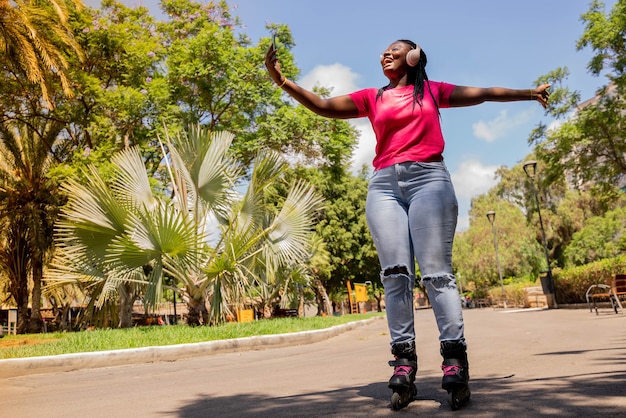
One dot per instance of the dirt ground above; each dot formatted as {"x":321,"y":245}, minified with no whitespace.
{"x":17,"y":341}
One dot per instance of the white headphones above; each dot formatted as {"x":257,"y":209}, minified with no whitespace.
{"x":413,"y":56}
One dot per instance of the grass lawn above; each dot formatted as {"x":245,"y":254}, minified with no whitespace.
{"x":34,"y":345}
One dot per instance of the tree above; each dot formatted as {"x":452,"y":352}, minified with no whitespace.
{"x":574,"y":210}
{"x":602,"y":237}
{"x":138,"y":75}
{"x":564,"y":210}
{"x":35,"y":38}
{"x":474,"y":253}
{"x":214,"y":76}
{"x":589,"y":146}
{"x":517,"y":188}
{"x":343,"y":227}
{"x":122,"y":96}
{"x":126,"y":233}
{"x":29,"y":203}
{"x":307,"y":138}
{"x":88,"y":233}
{"x":216,"y":80}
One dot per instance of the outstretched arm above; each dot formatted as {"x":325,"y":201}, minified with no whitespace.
{"x":340,"y":107}
{"x":469,"y":96}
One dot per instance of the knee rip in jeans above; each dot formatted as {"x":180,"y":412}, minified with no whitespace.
{"x":395,"y":271}
{"x":438,"y":280}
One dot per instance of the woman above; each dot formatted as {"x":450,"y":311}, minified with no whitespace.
{"x":411,"y":206}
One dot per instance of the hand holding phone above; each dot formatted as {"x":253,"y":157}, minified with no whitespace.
{"x":272,"y":64}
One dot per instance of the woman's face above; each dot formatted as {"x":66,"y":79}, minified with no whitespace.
{"x":393,"y":59}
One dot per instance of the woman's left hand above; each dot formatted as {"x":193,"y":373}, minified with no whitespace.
{"x":272,"y":65}
{"x":541,"y":94}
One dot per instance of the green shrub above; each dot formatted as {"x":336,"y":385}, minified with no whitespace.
{"x":514,"y":292}
{"x":571,"y":284}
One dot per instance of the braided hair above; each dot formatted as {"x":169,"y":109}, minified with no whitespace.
{"x":416,"y":76}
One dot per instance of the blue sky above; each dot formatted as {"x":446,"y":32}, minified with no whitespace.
{"x":474,"y":43}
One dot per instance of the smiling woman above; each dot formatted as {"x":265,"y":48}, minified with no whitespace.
{"x":411,"y":206}
{"x":493,"y":45}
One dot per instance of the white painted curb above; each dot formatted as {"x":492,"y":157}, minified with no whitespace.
{"x":67,"y":362}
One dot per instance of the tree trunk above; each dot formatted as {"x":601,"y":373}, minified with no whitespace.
{"x":127,"y":300}
{"x":379,"y":299}
{"x":36,"y":322}
{"x":205,"y":314}
{"x":324,"y":305}
{"x":14,"y":258}
{"x":197,"y":313}
{"x":61,"y":314}
{"x":301,"y":301}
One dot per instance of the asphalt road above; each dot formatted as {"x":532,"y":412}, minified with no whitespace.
{"x":549,"y":363}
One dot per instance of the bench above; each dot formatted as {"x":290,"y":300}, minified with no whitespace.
{"x":285,"y":313}
{"x":482,"y":302}
{"x":613,"y":292}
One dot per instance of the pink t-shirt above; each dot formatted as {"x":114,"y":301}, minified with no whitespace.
{"x":403,"y":132}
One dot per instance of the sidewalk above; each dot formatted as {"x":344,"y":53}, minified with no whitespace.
{"x":542,"y":363}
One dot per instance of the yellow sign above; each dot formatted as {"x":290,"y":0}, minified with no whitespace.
{"x":245,"y":315}
{"x":361,"y":292}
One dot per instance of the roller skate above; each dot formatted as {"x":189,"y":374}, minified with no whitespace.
{"x":455,"y":373}
{"x":405,"y":368}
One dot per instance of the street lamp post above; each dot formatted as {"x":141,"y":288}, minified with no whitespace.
{"x":530,"y":168}
{"x":491,"y":215}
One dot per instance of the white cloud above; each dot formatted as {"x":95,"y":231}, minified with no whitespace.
{"x":342,"y":80}
{"x":470,"y":180}
{"x":337,"y":77}
{"x":473,"y":178}
{"x":365,"y":149}
{"x":501,"y":126}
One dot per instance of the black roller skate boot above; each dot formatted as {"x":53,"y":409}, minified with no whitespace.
{"x":455,"y":373}
{"x":404,"y":370}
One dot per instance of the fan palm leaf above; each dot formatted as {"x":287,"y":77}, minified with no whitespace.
{"x":204,"y":173}
{"x":253,"y":244}
{"x":131,"y":184}
{"x":290,"y":231}
{"x":165,"y":239}
{"x":144,"y":237}
{"x":92,"y":218}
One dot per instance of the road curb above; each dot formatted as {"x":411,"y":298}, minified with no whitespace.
{"x":68,"y":362}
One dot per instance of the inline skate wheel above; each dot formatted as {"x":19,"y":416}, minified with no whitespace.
{"x":458,"y":397}
{"x":396,"y":401}
{"x":453,"y":400}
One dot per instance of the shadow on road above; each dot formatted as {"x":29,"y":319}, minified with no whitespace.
{"x":567,"y":395}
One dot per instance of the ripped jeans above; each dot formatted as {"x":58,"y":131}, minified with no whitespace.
{"x":412,"y":211}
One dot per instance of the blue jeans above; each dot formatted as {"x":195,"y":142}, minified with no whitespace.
{"x":412,"y":212}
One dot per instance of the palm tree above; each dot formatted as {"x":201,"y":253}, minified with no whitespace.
{"x":29,"y":203}
{"x":35,"y":38}
{"x":14,"y":261}
{"x":91,"y":226}
{"x":212,"y":239}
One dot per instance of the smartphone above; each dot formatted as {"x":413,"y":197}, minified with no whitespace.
{"x":274,"y":41}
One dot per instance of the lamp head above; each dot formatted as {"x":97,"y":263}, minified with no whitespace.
{"x":530,"y":168}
